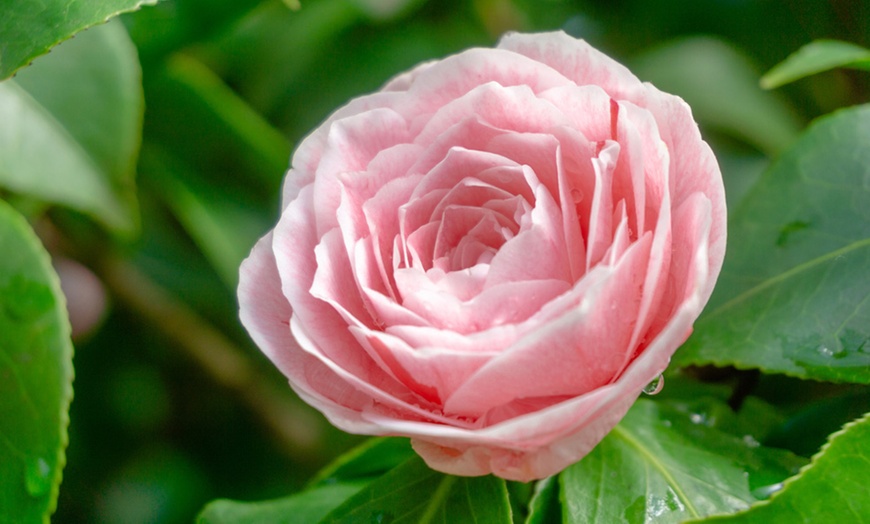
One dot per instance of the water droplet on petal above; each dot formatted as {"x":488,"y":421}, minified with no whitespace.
{"x":576,"y":195}
{"x":37,"y":477}
{"x":655,"y":386}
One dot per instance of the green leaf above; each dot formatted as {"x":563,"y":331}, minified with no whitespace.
{"x":662,"y":465}
{"x":170,"y":26}
{"x":307,"y":507}
{"x":374,"y":457}
{"x":793,"y":294}
{"x":29,"y":28}
{"x":220,"y":224}
{"x":544,"y":507}
{"x":336,"y":483}
{"x":70,"y":127}
{"x":755,"y":418}
{"x":810,"y":425}
{"x":816,"y":57}
{"x":35,"y":375}
{"x":413,"y":493}
{"x":833,"y":488}
{"x":192,"y":113}
{"x":721,"y":85}
{"x":259,"y":52}
{"x":383,"y":11}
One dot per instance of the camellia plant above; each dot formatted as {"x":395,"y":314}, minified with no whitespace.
{"x":501,"y":262}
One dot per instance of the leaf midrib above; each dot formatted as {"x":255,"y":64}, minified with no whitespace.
{"x":785,"y":275}
{"x":437,"y":498}
{"x":629,"y":438}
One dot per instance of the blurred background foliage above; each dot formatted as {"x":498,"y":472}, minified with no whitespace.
{"x":173,"y":405}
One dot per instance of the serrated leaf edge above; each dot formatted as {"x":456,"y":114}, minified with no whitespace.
{"x":797,"y":476}
{"x":47,"y":49}
{"x":65,"y":332}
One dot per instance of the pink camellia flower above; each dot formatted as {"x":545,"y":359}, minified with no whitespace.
{"x":492,"y":255}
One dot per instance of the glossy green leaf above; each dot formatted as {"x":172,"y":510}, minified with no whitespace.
{"x":833,"y":488}
{"x":70,"y":127}
{"x":721,"y":85}
{"x":816,"y":57}
{"x":808,"y":427}
{"x":35,"y":375}
{"x":754,"y":421}
{"x":344,"y":477}
{"x":413,"y":493}
{"x":793,"y":294}
{"x":663,"y":465}
{"x":374,"y":457}
{"x":307,"y":507}
{"x":545,"y":507}
{"x":29,"y":28}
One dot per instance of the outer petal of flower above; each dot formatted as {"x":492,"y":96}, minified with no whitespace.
{"x":492,"y":255}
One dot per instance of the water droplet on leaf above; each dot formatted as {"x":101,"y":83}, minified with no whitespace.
{"x":698,"y":418}
{"x":831,"y":352}
{"x":750,"y":441}
{"x":766,"y":491}
{"x":655,"y":386}
{"x":37,"y":477}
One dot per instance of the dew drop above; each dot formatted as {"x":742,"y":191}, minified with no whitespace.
{"x":654,"y":387}
{"x":766,"y":491}
{"x":750,"y":441}
{"x":698,"y":418}
{"x":825,"y":351}
{"x":830,"y":352}
{"x":576,"y":195}
{"x":655,"y":508}
{"x":37,"y":477}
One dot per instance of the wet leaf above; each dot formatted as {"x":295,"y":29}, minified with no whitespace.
{"x":663,"y":465}
{"x":794,"y":296}
{"x":35,"y":375}
{"x":833,"y":488}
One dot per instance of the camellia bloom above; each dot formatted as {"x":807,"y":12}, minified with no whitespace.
{"x":492,"y":255}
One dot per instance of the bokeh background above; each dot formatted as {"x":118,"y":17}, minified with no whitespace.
{"x":173,"y":404}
